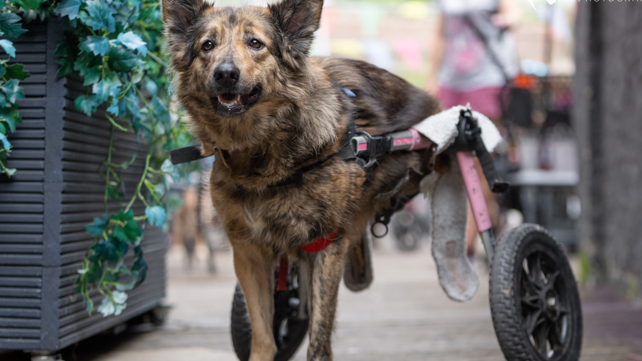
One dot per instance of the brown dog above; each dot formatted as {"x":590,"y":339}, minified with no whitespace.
{"x":268,"y":111}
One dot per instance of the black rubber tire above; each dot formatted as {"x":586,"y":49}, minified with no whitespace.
{"x":241,"y":329}
{"x":408,"y":241}
{"x":407,"y":230}
{"x":506,"y":291}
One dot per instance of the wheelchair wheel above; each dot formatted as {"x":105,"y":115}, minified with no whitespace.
{"x":534,"y":299}
{"x":289,"y":329}
{"x":407,"y":230}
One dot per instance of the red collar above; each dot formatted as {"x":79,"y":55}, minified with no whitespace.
{"x":317,"y":245}
{"x":320,"y":243}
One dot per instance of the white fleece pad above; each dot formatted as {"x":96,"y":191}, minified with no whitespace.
{"x":441,"y":128}
{"x":449,"y":218}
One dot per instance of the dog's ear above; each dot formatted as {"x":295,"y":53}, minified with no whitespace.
{"x":297,"y":20}
{"x":178,"y":17}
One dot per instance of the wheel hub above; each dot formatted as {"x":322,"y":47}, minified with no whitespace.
{"x":551,"y":305}
{"x":543,"y":310}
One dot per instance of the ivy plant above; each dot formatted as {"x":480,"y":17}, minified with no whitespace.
{"x":117,"y":48}
{"x":10,"y":75}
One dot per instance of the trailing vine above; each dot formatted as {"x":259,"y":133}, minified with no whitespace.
{"x":118,"y":49}
{"x":10,"y":76}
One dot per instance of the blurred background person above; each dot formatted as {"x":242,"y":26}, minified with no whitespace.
{"x":185,"y":229}
{"x":473,"y":62}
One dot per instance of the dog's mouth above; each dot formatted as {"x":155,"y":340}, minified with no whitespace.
{"x":233,"y":104}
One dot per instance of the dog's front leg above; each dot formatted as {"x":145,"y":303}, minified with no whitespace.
{"x":255,"y":272}
{"x":327,"y":269}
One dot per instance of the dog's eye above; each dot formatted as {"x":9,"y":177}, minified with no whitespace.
{"x":208,"y":45}
{"x":255,"y":44}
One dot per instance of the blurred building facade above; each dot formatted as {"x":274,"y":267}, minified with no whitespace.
{"x":606,"y":114}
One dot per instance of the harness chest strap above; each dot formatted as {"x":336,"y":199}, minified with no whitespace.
{"x":315,"y":246}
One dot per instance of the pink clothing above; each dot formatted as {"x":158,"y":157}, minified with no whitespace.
{"x":484,"y":100}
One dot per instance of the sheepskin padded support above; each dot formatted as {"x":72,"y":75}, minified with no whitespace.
{"x":357,"y":275}
{"x":449,"y":217}
{"x":441,"y":128}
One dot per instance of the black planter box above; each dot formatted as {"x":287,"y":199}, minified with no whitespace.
{"x":44,"y":207}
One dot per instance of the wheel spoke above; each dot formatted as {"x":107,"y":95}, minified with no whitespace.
{"x":563,"y":310}
{"x":555,"y":338}
{"x":550,"y":280}
{"x":532,"y":301}
{"x":533,"y":320}
{"x":542,"y":338}
{"x":527,"y":284}
{"x":535,"y":270}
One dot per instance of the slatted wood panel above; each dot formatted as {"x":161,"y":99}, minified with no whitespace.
{"x":45,"y":206}
{"x":21,"y":204}
{"x":84,"y":144}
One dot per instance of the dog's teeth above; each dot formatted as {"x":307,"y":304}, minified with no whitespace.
{"x":230,"y":103}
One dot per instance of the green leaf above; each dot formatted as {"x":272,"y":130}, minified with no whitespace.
{"x":129,"y":233}
{"x":113,"y":109}
{"x":15,"y":72}
{"x":88,"y":64}
{"x":126,"y":286}
{"x":13,"y":90}
{"x":102,"y":90}
{"x":12,"y":121}
{"x":151,"y":86}
{"x":113,"y":190}
{"x":9,"y":25}
{"x":4,"y":103}
{"x":133,"y":41}
{"x":140,"y":265}
{"x":3,"y":70}
{"x":10,"y":171}
{"x":156,"y":215}
{"x":8,"y":47}
{"x":29,"y":4}
{"x":119,"y":233}
{"x":119,"y":297}
{"x":5,"y":141}
{"x":114,"y":83}
{"x":133,"y":231}
{"x":107,"y":308}
{"x":99,"y":16}
{"x":96,"y":44}
{"x":92,"y":75}
{"x":68,"y":8}
{"x":98,"y":227}
{"x":122,"y":60}
{"x":3,"y":129}
{"x":66,"y":69}
{"x":123,"y":216}
{"x":105,"y":250}
{"x":86,"y":105}
{"x":66,"y":53}
{"x":11,"y":116}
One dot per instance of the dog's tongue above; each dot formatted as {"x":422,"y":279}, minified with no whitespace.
{"x":230,"y":100}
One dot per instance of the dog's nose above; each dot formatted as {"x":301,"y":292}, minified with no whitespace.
{"x":226,"y":74}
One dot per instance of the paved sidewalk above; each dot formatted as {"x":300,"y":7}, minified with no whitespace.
{"x":404,"y":316}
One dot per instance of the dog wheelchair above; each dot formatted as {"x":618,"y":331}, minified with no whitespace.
{"x":534,"y":299}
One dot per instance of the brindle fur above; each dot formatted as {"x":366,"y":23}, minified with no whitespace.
{"x":299,"y":119}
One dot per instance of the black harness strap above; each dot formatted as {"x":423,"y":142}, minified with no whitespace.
{"x":185,"y":154}
{"x":346,"y":153}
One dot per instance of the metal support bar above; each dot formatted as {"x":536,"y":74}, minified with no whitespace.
{"x":488,"y":239}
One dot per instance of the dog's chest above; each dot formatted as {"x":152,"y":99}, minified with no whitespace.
{"x":291,"y":215}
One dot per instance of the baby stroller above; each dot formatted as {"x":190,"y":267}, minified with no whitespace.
{"x":534,"y":299}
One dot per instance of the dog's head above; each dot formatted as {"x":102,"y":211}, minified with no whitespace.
{"x":231,"y":60}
